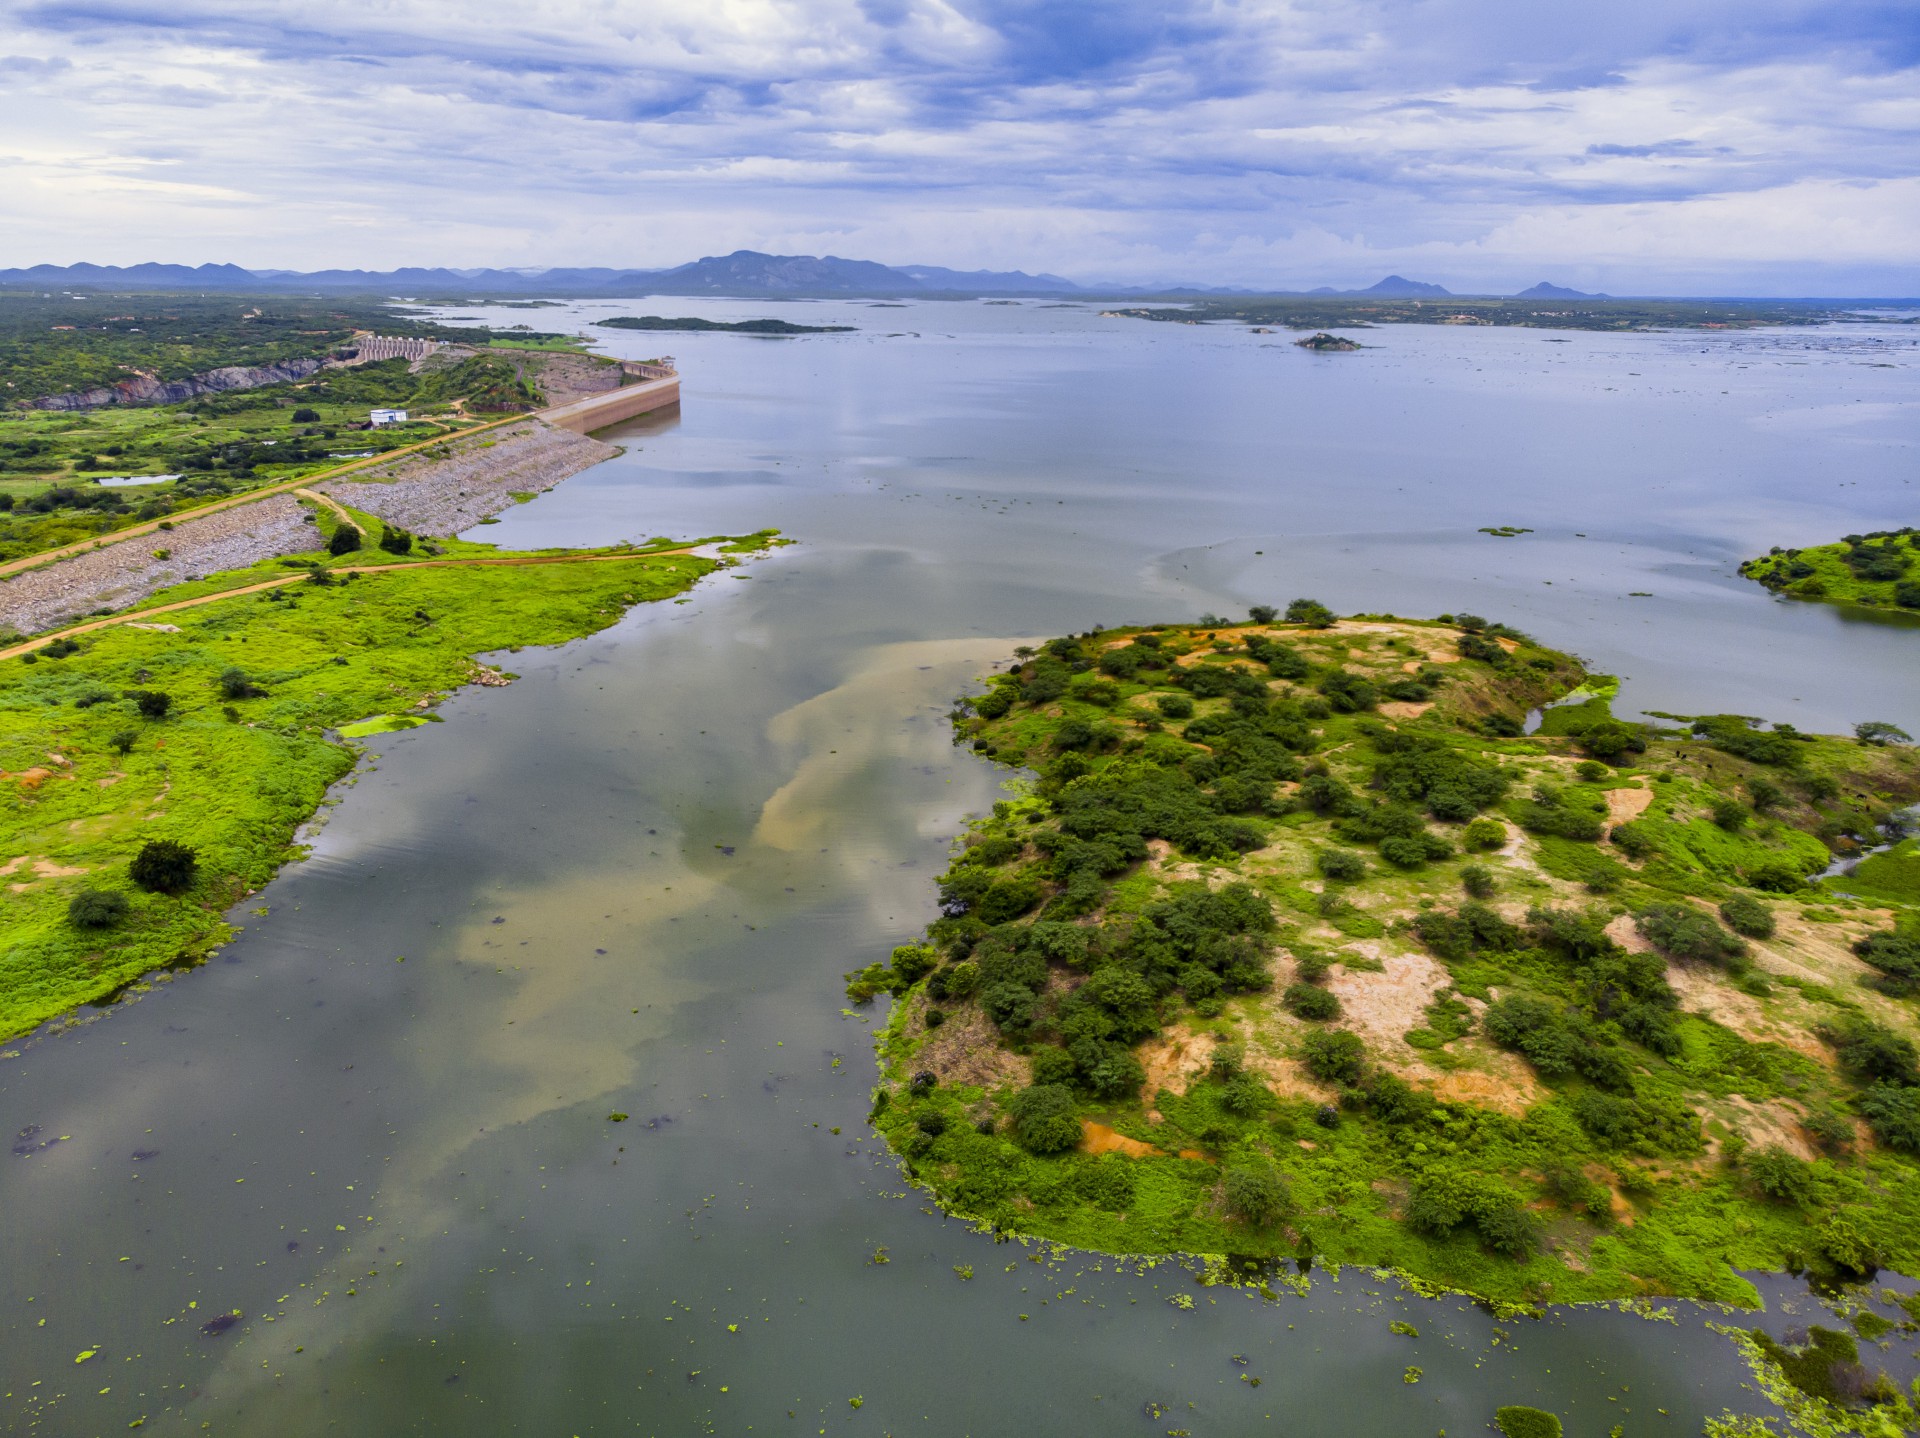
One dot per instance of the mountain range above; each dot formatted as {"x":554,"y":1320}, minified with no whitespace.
{"x":746,"y":273}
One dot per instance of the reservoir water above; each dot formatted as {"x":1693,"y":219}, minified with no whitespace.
{"x":377,"y":1126}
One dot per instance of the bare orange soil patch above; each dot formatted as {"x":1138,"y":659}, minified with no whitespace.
{"x":1626,"y":805}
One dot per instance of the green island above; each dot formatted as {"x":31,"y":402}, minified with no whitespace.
{"x":738,"y":327}
{"x":1296,"y":945}
{"x":1322,"y":312}
{"x":156,"y":767}
{"x":1878,"y":570}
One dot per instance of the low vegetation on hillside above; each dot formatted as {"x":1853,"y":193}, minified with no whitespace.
{"x":1302,"y":943}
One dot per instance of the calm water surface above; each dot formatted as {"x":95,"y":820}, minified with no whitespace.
{"x":377,"y":1125}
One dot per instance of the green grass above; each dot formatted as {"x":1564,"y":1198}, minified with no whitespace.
{"x":236,"y":788}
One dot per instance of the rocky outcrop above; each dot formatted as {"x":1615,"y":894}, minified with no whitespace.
{"x":453,"y":486}
{"x":144,"y":389}
{"x":116,"y":575}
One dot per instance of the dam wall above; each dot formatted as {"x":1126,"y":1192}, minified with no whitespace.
{"x":583,"y":416}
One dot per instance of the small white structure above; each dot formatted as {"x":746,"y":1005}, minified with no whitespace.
{"x":381,"y":417}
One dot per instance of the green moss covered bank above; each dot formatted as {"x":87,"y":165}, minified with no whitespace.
{"x":216,"y":728}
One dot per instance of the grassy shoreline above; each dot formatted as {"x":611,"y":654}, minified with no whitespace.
{"x":258,"y":687}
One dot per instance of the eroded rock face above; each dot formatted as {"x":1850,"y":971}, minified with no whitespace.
{"x":144,"y":389}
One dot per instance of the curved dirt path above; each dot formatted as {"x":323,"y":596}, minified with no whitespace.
{"x":279,"y":581}
{"x":334,"y":505}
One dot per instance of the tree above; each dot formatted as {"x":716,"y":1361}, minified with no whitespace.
{"x":1263,"y":614}
{"x":1308,"y":1001}
{"x":1341,"y":864}
{"x":234,"y":684}
{"x":164,"y":866}
{"x":96,"y":909}
{"x":1043,"y":1118}
{"x":151,"y":703}
{"x":395,"y":541}
{"x":306,"y":416}
{"x":1333,"y":1056}
{"x":123,"y":742}
{"x":1310,"y":612}
{"x":346,"y":539}
{"x":1256,"y":1194}
{"x":1878,"y":733}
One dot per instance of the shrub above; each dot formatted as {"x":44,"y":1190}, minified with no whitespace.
{"x":1255,"y":1194}
{"x":1683,"y":932}
{"x":1477,"y":880}
{"x":1310,"y":612}
{"x":306,"y":416}
{"x":1589,"y":772}
{"x":1896,"y":954}
{"x":1442,"y":1201}
{"x":1780,"y":1176}
{"x":1872,"y":1051}
{"x":930,"y":1121}
{"x":1747,"y":915}
{"x":151,"y":703}
{"x":1307,"y":1001}
{"x":96,"y":909}
{"x":1245,"y":1096}
{"x":1174,"y":706}
{"x":1043,"y":1118}
{"x":1106,"y":1183}
{"x":1518,"y":1421}
{"x":395,"y":541}
{"x":1829,"y":1130}
{"x":164,"y":867}
{"x":1334,"y":1056}
{"x":346,"y":539}
{"x":234,"y":684}
{"x":1484,"y":834}
{"x":1406,"y":851}
{"x":1341,"y":864}
{"x":1632,"y":840}
{"x":1894,"y":1115}
{"x":122,"y":743}
{"x":1729,"y":814}
{"x":1347,"y":692}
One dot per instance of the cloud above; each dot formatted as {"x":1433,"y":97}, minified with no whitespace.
{"x":1266,"y":142}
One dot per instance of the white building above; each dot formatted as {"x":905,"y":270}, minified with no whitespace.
{"x":381,"y":417}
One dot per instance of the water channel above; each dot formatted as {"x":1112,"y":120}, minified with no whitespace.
{"x":376,"y":1126}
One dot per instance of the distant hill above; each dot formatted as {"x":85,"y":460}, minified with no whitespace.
{"x":1392,"y":287}
{"x":1002,"y":282}
{"x":1399,"y":287}
{"x":744,"y":272}
{"x":1546,"y":291}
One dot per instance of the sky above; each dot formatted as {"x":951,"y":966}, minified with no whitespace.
{"x":1753,"y":147}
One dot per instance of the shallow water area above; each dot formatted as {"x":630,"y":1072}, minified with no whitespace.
{"x":630,"y":883}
